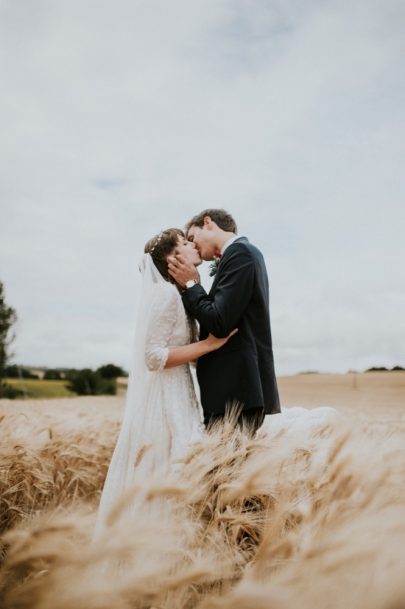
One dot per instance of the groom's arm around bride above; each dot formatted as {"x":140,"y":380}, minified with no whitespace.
{"x":243,"y":370}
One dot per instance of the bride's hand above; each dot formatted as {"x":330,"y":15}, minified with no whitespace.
{"x":216,"y":343}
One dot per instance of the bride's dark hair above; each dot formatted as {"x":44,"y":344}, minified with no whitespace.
{"x":160,"y":247}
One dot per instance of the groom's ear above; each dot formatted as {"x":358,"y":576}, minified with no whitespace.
{"x":208,"y":221}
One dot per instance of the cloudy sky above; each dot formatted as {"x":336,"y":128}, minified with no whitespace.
{"x":122,"y":117}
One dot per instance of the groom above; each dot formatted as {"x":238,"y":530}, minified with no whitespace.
{"x":242,"y":371}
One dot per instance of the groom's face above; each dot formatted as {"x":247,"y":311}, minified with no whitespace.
{"x":203,"y":240}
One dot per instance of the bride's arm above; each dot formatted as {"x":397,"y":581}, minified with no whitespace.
{"x":161,"y":325}
{"x":188,"y":353}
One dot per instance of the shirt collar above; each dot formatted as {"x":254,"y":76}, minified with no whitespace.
{"x":228,"y":243}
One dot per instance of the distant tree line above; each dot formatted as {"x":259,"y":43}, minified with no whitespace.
{"x":18,"y":372}
{"x":102,"y":381}
{"x":84,"y":381}
{"x":383,"y":369}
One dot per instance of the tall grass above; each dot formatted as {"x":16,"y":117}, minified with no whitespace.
{"x":310,"y":518}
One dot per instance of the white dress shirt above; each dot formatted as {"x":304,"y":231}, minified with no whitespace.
{"x":228,"y":243}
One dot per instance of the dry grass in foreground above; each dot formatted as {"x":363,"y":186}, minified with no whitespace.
{"x":310,"y":518}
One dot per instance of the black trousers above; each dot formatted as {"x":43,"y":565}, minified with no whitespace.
{"x":248,"y":420}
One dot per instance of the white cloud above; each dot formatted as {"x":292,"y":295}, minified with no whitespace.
{"x":121,"y":118}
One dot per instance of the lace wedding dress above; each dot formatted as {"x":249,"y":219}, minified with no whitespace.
{"x":162,"y":416}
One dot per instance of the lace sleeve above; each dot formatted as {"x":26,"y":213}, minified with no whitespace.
{"x":162,"y":321}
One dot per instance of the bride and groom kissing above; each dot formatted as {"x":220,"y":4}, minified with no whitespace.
{"x":235,"y":366}
{"x":237,"y":309}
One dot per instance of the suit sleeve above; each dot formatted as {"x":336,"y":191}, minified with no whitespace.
{"x":219,"y":314}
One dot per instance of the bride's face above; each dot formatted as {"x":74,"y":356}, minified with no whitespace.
{"x":188,"y":250}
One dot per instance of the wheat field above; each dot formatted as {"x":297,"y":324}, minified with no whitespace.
{"x":293,"y":518}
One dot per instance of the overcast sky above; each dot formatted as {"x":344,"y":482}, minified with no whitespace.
{"x":119,"y":118}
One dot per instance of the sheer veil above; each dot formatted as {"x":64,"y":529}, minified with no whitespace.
{"x":143,"y":408}
{"x":138,"y":372}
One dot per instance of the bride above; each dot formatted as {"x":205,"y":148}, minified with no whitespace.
{"x":162,"y":415}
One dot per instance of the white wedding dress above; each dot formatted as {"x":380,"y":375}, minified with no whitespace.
{"x":162,"y":416}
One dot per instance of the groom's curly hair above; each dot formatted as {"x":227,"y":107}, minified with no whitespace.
{"x":221,"y":217}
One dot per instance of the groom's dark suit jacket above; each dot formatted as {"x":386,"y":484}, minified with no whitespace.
{"x":243,"y":369}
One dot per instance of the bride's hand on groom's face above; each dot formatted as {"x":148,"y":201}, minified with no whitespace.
{"x":182,"y":270}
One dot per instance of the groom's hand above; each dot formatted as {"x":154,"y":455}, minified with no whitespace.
{"x":181,"y":270}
